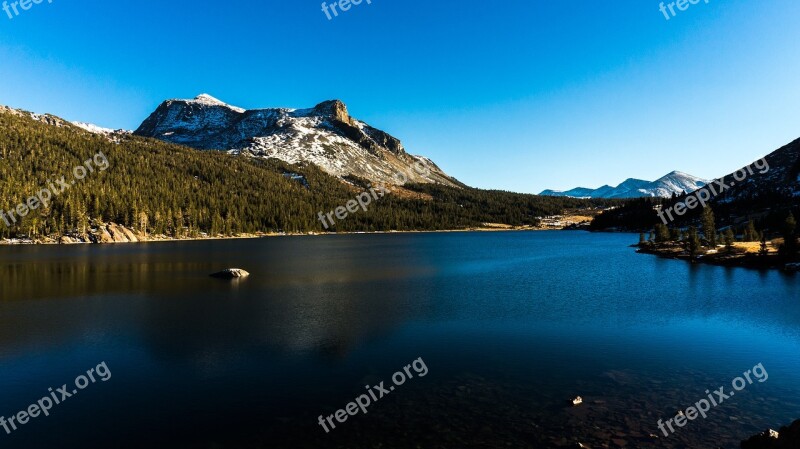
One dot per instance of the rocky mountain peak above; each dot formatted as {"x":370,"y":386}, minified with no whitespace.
{"x":204,"y":101}
{"x":334,"y":109}
{"x":325,"y":135}
{"x":208,"y":98}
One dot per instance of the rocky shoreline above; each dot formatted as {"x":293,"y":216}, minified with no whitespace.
{"x":720,"y":257}
{"x":106,"y":233}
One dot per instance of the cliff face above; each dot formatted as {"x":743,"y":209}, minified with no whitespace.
{"x":98,"y":233}
{"x":325,"y":135}
{"x":104,"y":233}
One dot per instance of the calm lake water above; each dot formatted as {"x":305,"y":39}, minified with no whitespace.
{"x":509,"y":325}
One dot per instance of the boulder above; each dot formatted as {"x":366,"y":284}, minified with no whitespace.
{"x":103,"y":236}
{"x":129,"y":235}
{"x":231,"y":273}
{"x":117,"y":233}
{"x":69,"y":239}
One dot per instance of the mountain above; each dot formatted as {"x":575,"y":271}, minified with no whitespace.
{"x":577,"y":192}
{"x":778,"y":182}
{"x":764,"y":192}
{"x":630,"y":188}
{"x":664,"y":187}
{"x":94,"y":129}
{"x":325,"y":135}
{"x":158,"y":190}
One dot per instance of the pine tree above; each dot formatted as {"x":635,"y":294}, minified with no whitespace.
{"x":764,"y":249}
{"x":750,"y":233}
{"x":662,"y":233}
{"x":789,"y":247}
{"x":693,"y":243}
{"x":729,"y":239}
{"x":709,"y":227}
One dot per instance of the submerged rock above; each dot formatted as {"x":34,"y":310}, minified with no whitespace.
{"x":231,"y":273}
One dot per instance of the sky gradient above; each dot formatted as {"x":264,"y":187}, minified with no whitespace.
{"x":520,"y":95}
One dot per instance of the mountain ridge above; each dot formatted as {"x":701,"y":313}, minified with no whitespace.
{"x":763,"y":192}
{"x":675,"y":182}
{"x":325,"y":135}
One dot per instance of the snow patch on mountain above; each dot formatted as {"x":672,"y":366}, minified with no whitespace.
{"x":325,"y":135}
{"x":94,"y":129}
{"x":113,"y":135}
{"x":664,"y":187}
{"x":208,"y":100}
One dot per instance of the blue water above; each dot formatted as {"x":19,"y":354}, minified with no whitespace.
{"x":510,"y":326}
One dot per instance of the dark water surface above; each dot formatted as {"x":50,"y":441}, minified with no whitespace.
{"x":509,"y":325}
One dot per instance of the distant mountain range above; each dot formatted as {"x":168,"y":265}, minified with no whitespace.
{"x":764,"y":193}
{"x":664,"y":187}
{"x":325,"y":135}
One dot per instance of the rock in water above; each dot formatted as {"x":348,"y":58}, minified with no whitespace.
{"x":231,"y":273}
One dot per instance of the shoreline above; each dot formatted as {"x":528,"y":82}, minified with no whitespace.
{"x":737,"y":259}
{"x":111,"y":233}
{"x":161,"y":239}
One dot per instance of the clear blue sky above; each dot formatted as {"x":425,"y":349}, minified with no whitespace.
{"x":520,"y":95}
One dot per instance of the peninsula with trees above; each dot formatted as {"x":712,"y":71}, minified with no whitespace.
{"x":750,"y":223}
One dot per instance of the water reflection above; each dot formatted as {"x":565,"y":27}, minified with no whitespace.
{"x":319,"y":316}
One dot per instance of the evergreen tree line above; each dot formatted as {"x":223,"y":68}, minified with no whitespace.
{"x":709,"y":237}
{"x":165,"y":189}
{"x":768,"y":211}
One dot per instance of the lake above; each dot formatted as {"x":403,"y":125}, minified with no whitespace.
{"x":510,"y":326}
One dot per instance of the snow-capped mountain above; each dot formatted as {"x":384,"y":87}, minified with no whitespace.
{"x":94,"y":129}
{"x":675,"y":182}
{"x":664,"y":187}
{"x":577,"y":192}
{"x":113,"y":135}
{"x":325,"y":135}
